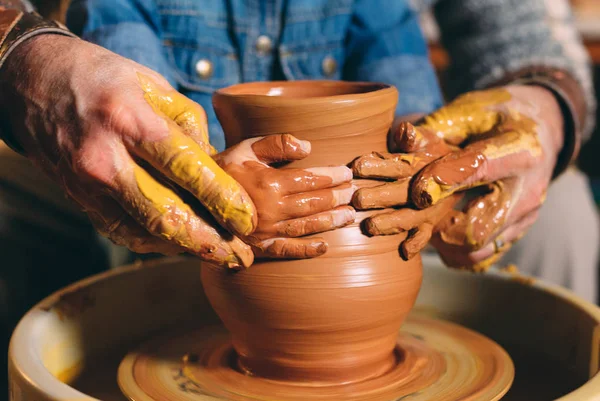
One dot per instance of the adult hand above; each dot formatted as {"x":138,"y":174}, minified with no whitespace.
{"x":508,"y":143}
{"x":419,"y":148}
{"x":290,"y":203}
{"x":126,"y":147}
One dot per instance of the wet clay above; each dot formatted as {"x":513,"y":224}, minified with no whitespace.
{"x":499,"y":132}
{"x":334,"y":318}
{"x":433,"y":360}
{"x":179,"y":153}
{"x":290,"y":203}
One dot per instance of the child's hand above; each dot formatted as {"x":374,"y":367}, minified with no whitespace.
{"x":290,"y":202}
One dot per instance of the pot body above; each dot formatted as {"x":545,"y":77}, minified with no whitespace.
{"x":335,"y":317}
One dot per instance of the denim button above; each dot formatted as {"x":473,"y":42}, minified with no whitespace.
{"x":264,"y":44}
{"x":329,"y":66}
{"x":204,"y":68}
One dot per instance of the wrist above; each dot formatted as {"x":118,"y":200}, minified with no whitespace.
{"x":571,"y":101}
{"x":18,"y":30}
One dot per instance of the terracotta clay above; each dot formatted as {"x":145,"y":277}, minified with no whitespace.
{"x":436,"y":360}
{"x":334,"y":318}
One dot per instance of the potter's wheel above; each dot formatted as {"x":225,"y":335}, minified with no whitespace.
{"x":437,"y":360}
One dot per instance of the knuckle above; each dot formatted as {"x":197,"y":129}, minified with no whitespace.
{"x":114,"y":115}
{"x":93,"y":165}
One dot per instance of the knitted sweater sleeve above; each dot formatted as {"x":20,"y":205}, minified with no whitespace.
{"x":494,"y":41}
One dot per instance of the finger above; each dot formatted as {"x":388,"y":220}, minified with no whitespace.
{"x":507,"y":238}
{"x":409,"y":138}
{"x":125,"y":231}
{"x":187,"y":114}
{"x":507,"y":154}
{"x":382,"y":196}
{"x":457,"y":256}
{"x":280,"y":148}
{"x":417,"y":240}
{"x":113,"y":222}
{"x":468,"y":115}
{"x":312,"y":179}
{"x":309,"y":203}
{"x":161,"y":212}
{"x":403,"y":220}
{"x":487,"y":214}
{"x":388,"y":166}
{"x":290,"y":248}
{"x":317,"y":223}
{"x":181,"y":160}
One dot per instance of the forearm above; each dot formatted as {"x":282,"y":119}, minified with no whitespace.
{"x":18,"y":23}
{"x":495,"y":42}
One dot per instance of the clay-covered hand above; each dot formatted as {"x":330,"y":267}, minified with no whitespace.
{"x":413,"y":149}
{"x":509,"y":139}
{"x":125,"y":146}
{"x":290,"y":202}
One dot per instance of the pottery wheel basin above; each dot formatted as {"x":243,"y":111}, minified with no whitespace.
{"x":70,"y":345}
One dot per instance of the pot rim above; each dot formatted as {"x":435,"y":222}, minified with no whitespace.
{"x":379,"y":90}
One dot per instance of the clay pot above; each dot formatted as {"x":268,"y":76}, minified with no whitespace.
{"x":334,"y":318}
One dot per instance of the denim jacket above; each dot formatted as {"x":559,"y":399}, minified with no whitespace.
{"x":203,"y":45}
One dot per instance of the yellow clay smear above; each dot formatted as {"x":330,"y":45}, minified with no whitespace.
{"x":467,"y":115}
{"x":186,"y":114}
{"x":165,"y":201}
{"x":194,"y":169}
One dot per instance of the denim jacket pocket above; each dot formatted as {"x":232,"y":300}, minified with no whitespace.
{"x":318,"y":61}
{"x":202,"y":68}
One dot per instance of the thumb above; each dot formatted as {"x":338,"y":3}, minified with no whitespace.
{"x":280,"y":148}
{"x":508,"y":152}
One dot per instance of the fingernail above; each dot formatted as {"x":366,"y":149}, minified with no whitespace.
{"x":346,"y":173}
{"x":305,"y":146}
{"x":428,"y":193}
{"x":319,"y":248}
{"x":343,"y":196}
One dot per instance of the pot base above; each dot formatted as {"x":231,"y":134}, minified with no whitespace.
{"x":434,"y":360}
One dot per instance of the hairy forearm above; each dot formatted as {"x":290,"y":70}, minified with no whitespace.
{"x":18,"y":24}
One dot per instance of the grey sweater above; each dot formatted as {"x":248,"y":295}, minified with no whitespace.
{"x":490,"y":39}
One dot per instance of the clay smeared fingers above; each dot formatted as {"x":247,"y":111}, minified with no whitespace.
{"x":310,"y":203}
{"x":386,"y":165}
{"x":485,"y":215}
{"x":162,"y":213}
{"x":508,"y":237}
{"x":316,"y":223}
{"x":390,"y":223}
{"x":186,"y":113}
{"x":457,"y":256}
{"x":295,"y":181}
{"x":382,"y":196}
{"x":416,"y":241}
{"x":125,"y":231}
{"x":113,"y":222}
{"x":290,"y":248}
{"x":481,"y":162}
{"x":181,"y":160}
{"x":280,"y":148}
{"x":405,"y":137}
